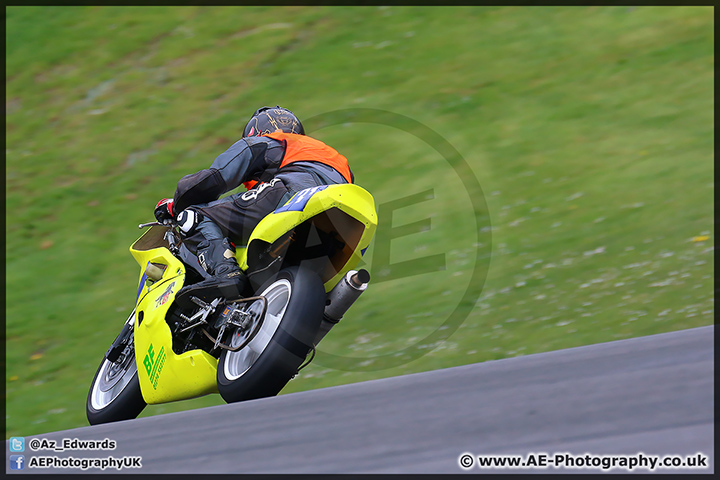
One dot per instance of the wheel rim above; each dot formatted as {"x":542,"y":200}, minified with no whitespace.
{"x":242,"y":336}
{"x":113,"y":377}
{"x":112,"y":380}
{"x":238,"y":363}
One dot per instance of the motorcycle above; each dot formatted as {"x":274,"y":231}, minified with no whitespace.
{"x":300,"y":261}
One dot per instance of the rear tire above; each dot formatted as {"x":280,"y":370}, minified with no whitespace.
{"x":115,"y":390}
{"x":296,"y":300}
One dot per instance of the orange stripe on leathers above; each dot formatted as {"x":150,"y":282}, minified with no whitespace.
{"x":301,"y":148}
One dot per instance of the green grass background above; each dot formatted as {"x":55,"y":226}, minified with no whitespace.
{"x":589,"y":129}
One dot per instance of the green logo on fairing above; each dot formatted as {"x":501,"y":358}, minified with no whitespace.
{"x":154,"y":365}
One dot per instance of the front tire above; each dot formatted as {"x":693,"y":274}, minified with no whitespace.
{"x":296,"y":300}
{"x":115,"y":390}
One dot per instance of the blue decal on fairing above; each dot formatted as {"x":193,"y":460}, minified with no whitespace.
{"x":297,"y":203}
{"x":142,"y":284}
{"x":362,"y":252}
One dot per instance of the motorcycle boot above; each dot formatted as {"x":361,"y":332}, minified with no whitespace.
{"x":217,"y":257}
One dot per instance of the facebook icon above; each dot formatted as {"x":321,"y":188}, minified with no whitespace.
{"x":17,"y":462}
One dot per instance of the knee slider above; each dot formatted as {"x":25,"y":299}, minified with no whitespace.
{"x":188,"y":221}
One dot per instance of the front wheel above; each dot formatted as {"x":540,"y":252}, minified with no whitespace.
{"x":115,"y":391}
{"x":296,"y":300}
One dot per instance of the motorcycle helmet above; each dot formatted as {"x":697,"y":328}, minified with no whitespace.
{"x":272,"y":119}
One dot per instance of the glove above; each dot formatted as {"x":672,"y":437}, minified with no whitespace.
{"x":164,"y":211}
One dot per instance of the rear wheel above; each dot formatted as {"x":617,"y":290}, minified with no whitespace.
{"x":115,"y":391}
{"x":296,"y":299}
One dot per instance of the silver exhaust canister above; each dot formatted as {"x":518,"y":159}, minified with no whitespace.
{"x":341,"y":298}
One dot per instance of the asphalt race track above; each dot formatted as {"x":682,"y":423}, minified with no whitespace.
{"x":651,"y":394}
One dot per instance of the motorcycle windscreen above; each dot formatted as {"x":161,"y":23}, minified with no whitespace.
{"x":154,"y":237}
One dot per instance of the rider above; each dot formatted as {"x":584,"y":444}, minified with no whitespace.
{"x":274,"y":159}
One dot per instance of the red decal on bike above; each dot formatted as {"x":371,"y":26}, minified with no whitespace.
{"x":165,"y":296}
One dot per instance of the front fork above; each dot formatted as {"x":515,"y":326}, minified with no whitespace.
{"x":122,"y":341}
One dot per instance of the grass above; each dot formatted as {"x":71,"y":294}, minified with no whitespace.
{"x":588,"y":129}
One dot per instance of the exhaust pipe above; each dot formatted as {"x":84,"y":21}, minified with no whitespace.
{"x":341,"y":298}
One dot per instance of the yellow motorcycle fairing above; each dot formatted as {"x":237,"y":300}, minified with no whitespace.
{"x":344,"y":212}
{"x":164,"y":376}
